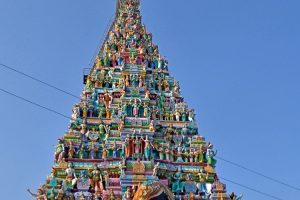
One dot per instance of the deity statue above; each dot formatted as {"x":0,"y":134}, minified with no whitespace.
{"x":121,"y":123}
{"x":106,"y":61}
{"x":107,"y":98}
{"x":202,"y":181}
{"x":147,"y":95}
{"x":40,"y":194}
{"x":135,"y":108}
{"x":83,"y":181}
{"x":184,"y":130}
{"x":141,"y":82}
{"x":88,"y":84}
{"x":114,"y":149}
{"x":127,"y":146}
{"x":177,"y":184}
{"x":166,"y":84}
{"x":108,"y":113}
{"x":137,"y":145}
{"x":71,"y":150}
{"x":106,"y":179}
{"x":152,"y":126}
{"x":179,"y":154}
{"x":104,"y":152}
{"x":201,"y":154}
{"x":169,"y":132}
{"x":147,"y":148}
{"x":96,"y":179}
{"x":71,"y":178}
{"x":111,"y":195}
{"x":75,"y":113}
{"x":186,"y":155}
{"x":53,"y":182}
{"x":210,"y":156}
{"x":155,"y":169}
{"x":101,"y":128}
{"x":161,"y":152}
{"x":167,"y":152}
{"x":191,"y":115}
{"x":51,"y":195}
{"x":176,"y":88}
{"x":127,"y":195}
{"x":59,"y":151}
{"x":121,"y":168}
{"x":102,"y":75}
{"x":177,"y":115}
{"x":107,"y":132}
{"x":93,"y":148}
{"x":191,"y":155}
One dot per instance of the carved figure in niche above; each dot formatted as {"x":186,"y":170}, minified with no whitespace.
{"x":152,"y":126}
{"x":93,"y":148}
{"x":104,"y":152}
{"x":71,"y":178}
{"x":107,"y":98}
{"x":167,"y":151}
{"x":59,"y":151}
{"x":127,"y":195}
{"x":88,"y":84}
{"x":202,"y":181}
{"x":147,"y":95}
{"x":121,"y":168}
{"x":114,"y":149}
{"x":71,"y":150}
{"x":96,"y":180}
{"x":191,"y":115}
{"x":177,"y":115}
{"x":155,"y":169}
{"x":177,"y":185}
{"x":127,"y":146}
{"x":210,"y":156}
{"x":107,"y":132}
{"x":179,"y":154}
{"x":191,"y":155}
{"x":101,"y":128}
{"x":137,"y":145}
{"x":147,"y":148}
{"x":75,"y":113}
{"x":135,"y":108}
{"x":160,"y":152}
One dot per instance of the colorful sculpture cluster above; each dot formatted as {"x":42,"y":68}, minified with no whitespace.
{"x":132,"y":136}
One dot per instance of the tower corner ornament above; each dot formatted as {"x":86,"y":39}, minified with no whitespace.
{"x":132,"y":136}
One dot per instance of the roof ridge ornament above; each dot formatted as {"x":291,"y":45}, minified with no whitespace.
{"x":124,"y":4}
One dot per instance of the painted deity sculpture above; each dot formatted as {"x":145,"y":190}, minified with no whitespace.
{"x":96,"y":179}
{"x":177,"y":184}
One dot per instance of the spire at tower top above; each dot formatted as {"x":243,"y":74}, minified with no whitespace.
{"x":123,"y":5}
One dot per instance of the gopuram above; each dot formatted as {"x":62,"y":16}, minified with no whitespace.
{"x":132,"y":136}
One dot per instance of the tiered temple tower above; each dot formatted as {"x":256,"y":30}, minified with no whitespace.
{"x":132,"y":136}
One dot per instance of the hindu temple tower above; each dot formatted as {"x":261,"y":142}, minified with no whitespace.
{"x":132,"y":136}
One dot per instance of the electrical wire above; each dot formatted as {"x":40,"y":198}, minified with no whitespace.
{"x":259,"y":174}
{"x":33,"y":103}
{"x":251,"y":189}
{"x":39,"y":80}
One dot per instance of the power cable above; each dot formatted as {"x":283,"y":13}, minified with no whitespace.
{"x":259,"y":174}
{"x":251,"y":189}
{"x":33,"y":103}
{"x":39,"y":80}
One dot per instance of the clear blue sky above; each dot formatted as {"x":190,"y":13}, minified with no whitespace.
{"x":237,"y":61}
